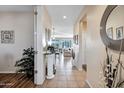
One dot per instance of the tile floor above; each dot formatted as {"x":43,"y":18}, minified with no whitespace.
{"x":66,"y":76}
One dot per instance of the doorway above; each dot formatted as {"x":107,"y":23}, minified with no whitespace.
{"x":82,"y":46}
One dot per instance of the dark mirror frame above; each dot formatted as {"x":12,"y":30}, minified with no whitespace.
{"x":110,"y":43}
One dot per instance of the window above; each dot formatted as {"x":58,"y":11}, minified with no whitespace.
{"x":62,"y":43}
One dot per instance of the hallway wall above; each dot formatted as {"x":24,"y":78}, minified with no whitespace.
{"x":22,"y":24}
{"x":95,"y":53}
{"x":76,"y":47}
{"x":46,"y":23}
{"x":43,"y":21}
{"x":95,"y":49}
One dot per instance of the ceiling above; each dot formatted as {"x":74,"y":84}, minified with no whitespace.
{"x":64,"y":27}
{"x":16,"y":8}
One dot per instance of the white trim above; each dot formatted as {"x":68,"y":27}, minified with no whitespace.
{"x":7,"y":72}
{"x":50,"y":77}
{"x":35,"y":43}
{"x":39,"y":64}
{"x":88,"y":83}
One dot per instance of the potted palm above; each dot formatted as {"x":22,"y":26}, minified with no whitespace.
{"x":26,"y":63}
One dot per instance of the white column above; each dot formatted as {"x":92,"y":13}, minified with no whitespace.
{"x":39,"y":64}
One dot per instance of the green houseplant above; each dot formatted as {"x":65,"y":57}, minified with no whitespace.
{"x":26,"y":63}
{"x":51,"y":48}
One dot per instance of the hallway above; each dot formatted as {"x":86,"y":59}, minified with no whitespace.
{"x":66,"y":76}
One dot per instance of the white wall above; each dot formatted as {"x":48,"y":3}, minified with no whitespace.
{"x":43,"y":21}
{"x":95,"y":51}
{"x":47,"y":23}
{"x":76,"y":47}
{"x":80,"y":51}
{"x":82,"y":43}
{"x":22,"y":24}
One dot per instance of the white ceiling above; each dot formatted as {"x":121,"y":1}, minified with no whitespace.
{"x":64,"y":27}
{"x":20,"y":8}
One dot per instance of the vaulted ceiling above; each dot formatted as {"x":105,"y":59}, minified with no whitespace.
{"x":63,"y":18}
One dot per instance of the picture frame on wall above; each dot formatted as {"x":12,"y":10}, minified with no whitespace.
{"x":47,"y":35}
{"x":74,"y":38}
{"x":7,"y":37}
{"x":110,"y":32}
{"x":119,"y":33}
{"x":77,"y":39}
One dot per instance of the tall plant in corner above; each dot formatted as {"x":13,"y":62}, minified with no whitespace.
{"x":26,"y":63}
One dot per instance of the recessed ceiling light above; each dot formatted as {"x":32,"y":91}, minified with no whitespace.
{"x":64,"y":17}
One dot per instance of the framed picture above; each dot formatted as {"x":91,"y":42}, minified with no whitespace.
{"x":110,"y":32}
{"x":7,"y":36}
{"x":77,"y":39}
{"x":74,"y":38}
{"x":47,"y":35}
{"x":119,"y":33}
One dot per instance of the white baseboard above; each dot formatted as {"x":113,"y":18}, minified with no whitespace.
{"x":7,"y":72}
{"x":88,"y":83}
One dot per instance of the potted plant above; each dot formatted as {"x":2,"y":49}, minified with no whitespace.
{"x":26,"y":63}
{"x":51,"y":49}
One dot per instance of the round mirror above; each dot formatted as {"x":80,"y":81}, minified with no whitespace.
{"x":115,"y":24}
{"x":112,"y":26}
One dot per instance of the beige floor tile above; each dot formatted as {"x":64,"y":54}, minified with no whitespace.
{"x":62,"y":77}
{"x":60,"y":74}
{"x":54,"y":79}
{"x":68,"y":73}
{"x":66,"y":76}
{"x":72,"y":84}
{"x":51,"y":84}
{"x":81,"y":84}
{"x":71,"y":78}
{"x":61,"y":84}
{"x":79,"y":78}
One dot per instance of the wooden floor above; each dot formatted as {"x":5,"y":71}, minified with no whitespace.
{"x":66,"y":77}
{"x":15,"y":81}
